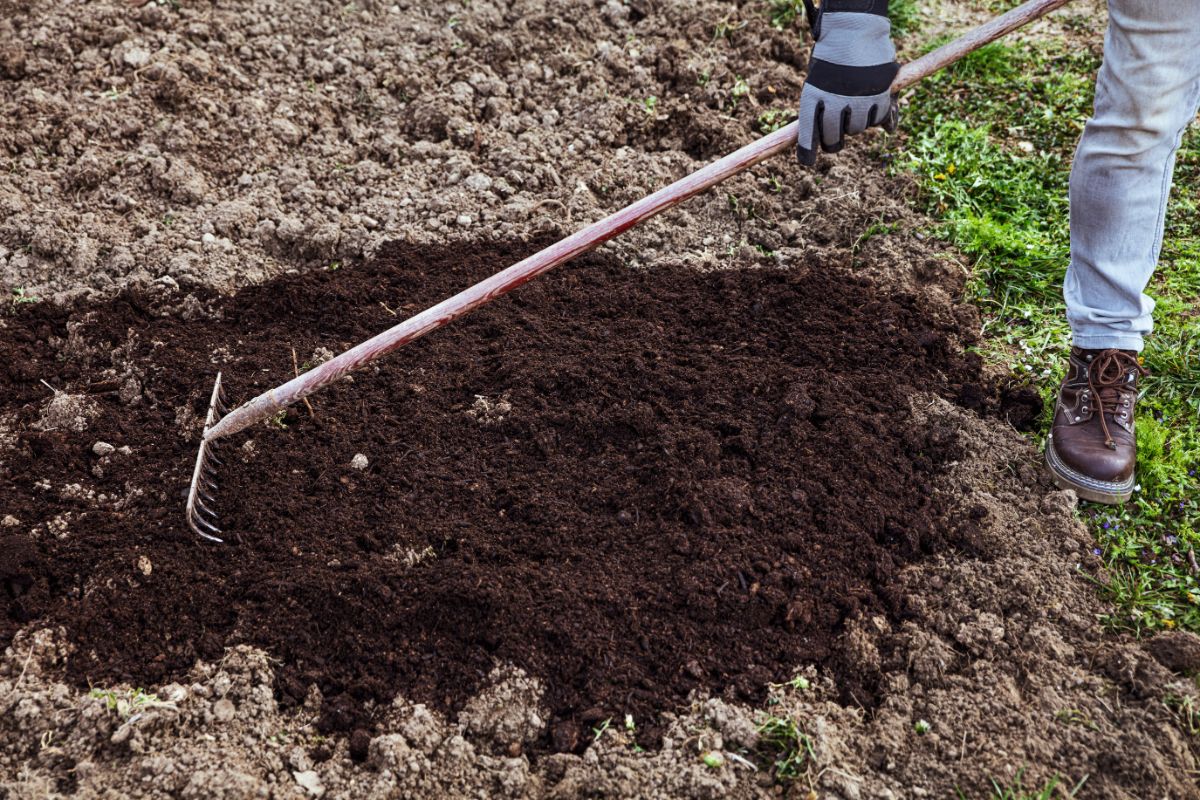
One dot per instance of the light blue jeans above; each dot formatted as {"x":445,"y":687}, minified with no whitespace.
{"x":1147,"y":92}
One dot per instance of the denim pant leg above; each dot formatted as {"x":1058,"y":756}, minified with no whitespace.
{"x":1147,"y":92}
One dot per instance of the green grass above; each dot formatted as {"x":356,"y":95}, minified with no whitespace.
{"x":786,"y":13}
{"x":1053,"y":788}
{"x":786,"y":746}
{"x":990,"y":141}
{"x":128,"y":702}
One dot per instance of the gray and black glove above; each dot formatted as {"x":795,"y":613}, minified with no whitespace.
{"x":850,"y":74}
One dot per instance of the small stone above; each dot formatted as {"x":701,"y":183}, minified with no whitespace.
{"x":310,"y":782}
{"x":144,"y":566}
{"x":10,"y":521}
{"x":359,"y":461}
{"x":464,"y":220}
{"x":478,"y":182}
{"x":223,"y":710}
{"x":102,"y":449}
{"x":136,"y":57}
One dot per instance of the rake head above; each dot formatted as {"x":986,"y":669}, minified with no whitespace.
{"x":200,"y":516}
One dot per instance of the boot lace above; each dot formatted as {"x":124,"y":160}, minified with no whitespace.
{"x":1108,"y":379}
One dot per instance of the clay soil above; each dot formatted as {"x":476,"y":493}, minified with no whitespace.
{"x":630,"y":484}
{"x":581,"y":543}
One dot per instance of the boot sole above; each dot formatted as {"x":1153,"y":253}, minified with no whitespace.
{"x":1096,"y":491}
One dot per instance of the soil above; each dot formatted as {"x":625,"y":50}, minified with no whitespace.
{"x":170,"y":151}
{"x":630,"y":484}
{"x":229,"y":142}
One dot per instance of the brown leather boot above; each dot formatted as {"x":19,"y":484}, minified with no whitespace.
{"x":1092,"y":448}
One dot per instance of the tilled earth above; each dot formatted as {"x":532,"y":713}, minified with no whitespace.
{"x":629,"y":484}
{"x":659,"y":492}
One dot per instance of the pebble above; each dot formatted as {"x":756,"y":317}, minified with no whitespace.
{"x":464,"y":220}
{"x":223,"y":710}
{"x":359,"y":461}
{"x":102,"y":449}
{"x":144,"y":566}
{"x":136,"y":57}
{"x":478,"y":182}
{"x":310,"y":781}
{"x":10,"y":521}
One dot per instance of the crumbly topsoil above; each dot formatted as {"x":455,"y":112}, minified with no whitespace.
{"x":194,"y":145}
{"x":630,"y":484}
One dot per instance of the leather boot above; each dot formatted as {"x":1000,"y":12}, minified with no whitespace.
{"x":1092,"y":448}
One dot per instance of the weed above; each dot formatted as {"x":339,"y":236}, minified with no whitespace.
{"x":798,"y":683}
{"x":279,"y":419}
{"x":599,"y":730}
{"x":773,"y":119}
{"x":1018,"y":791}
{"x":921,"y":727}
{"x":741,"y":89}
{"x":788,"y":747}
{"x":1185,"y":709}
{"x":879,"y":228}
{"x":21,"y":296}
{"x":129,"y":701}
{"x":905,"y":14}
{"x":727,"y":27}
{"x":784,"y":13}
{"x":742,"y":210}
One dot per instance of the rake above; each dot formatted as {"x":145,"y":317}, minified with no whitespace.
{"x":218,"y":425}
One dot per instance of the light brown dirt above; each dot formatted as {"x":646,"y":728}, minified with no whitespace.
{"x":211,"y":144}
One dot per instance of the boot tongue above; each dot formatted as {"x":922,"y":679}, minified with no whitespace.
{"x":1111,"y":374}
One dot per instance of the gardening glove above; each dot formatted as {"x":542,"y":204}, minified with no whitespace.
{"x":849,"y":75}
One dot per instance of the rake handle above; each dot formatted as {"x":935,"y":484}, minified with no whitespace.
{"x":273,"y":400}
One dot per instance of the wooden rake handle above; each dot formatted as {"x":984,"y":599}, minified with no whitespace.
{"x":783,"y":140}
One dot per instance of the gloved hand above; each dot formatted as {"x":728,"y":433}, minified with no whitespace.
{"x":850,"y":73}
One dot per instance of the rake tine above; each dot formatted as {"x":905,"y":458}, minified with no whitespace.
{"x":200,"y":517}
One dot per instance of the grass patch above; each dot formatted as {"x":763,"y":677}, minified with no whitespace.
{"x":786,"y":13}
{"x":786,"y":746}
{"x":1051,"y":789}
{"x":990,"y":141}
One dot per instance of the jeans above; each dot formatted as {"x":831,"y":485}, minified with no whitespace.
{"x":1147,"y":92}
